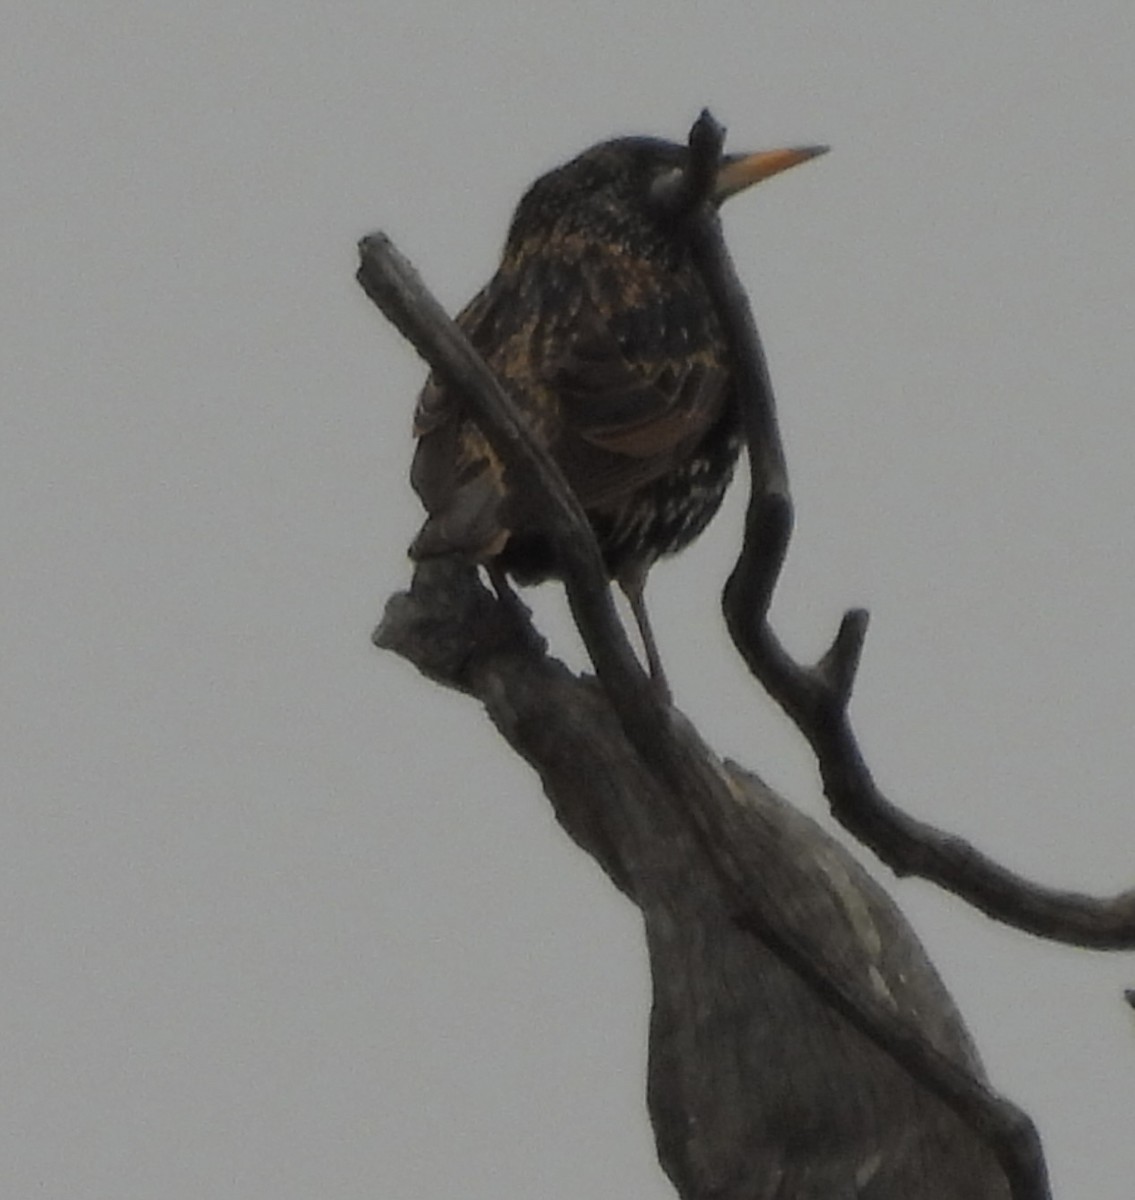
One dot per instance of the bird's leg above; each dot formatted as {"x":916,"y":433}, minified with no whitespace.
{"x":633,"y":584}
{"x":506,"y":594}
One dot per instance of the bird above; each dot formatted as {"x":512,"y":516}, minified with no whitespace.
{"x":601,"y":329}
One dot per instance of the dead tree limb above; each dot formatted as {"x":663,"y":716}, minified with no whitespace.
{"x":816,"y":698}
{"x":801,"y":1043}
{"x":718,"y":868}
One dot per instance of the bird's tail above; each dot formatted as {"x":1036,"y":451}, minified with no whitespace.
{"x":468,"y":524}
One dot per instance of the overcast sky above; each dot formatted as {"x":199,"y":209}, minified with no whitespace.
{"x":282,"y":920}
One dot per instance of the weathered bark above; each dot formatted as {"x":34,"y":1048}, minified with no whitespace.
{"x":757,"y":1087}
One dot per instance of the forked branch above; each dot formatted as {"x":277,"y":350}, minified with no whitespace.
{"x":816,"y":698}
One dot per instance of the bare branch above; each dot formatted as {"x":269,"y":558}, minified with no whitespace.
{"x":816,"y":698}
{"x":391,"y":282}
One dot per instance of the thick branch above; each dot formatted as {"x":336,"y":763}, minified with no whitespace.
{"x":806,"y":1005}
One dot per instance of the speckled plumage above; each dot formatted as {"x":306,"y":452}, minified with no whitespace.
{"x":599,"y":325}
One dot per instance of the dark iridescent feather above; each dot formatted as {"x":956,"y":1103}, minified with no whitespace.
{"x":599,"y":325}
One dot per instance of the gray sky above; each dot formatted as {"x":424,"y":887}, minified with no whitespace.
{"x":283,"y":920}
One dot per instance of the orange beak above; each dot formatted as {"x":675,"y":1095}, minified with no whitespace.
{"x":741,"y":171}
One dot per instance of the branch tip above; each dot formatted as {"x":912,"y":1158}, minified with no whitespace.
{"x":706,"y":137}
{"x":840,"y":664}
{"x":680,"y":193}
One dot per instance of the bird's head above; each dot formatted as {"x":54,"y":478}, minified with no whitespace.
{"x":610,"y":188}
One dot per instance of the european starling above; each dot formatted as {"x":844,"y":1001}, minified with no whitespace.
{"x":601,"y":329}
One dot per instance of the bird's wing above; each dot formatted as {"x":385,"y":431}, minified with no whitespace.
{"x":634,"y":406}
